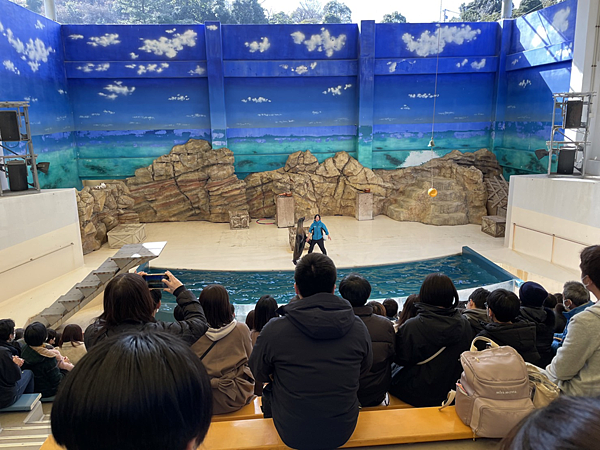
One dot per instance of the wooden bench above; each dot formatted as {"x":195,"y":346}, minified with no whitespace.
{"x":374,"y":428}
{"x":25,"y":403}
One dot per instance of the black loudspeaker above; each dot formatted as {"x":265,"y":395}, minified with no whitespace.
{"x":17,"y":175}
{"x":566,"y":161}
{"x":574,"y":114}
{"x":9,"y":126}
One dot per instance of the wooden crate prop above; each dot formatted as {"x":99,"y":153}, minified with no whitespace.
{"x":497,"y":189}
{"x":121,"y":235}
{"x":239,"y":220}
{"x":493,"y":225}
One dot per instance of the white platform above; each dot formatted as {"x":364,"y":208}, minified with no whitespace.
{"x":39,"y":239}
{"x":553,"y":219}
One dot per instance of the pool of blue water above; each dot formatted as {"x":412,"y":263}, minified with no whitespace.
{"x":394,"y":280}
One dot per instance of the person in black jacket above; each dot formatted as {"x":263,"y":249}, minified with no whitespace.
{"x":128,"y":306}
{"x":429,"y":345}
{"x":313,"y":356}
{"x":13,"y":382}
{"x":375,"y":384}
{"x":7,"y":335}
{"x":532,"y":297}
{"x":503,"y":309}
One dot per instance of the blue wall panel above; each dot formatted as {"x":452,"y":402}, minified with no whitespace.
{"x":107,"y":99}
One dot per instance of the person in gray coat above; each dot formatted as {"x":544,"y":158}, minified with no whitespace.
{"x":576,"y":366}
{"x":476,"y":312}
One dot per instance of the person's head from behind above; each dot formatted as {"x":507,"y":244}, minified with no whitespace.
{"x":575,"y":294}
{"x":214,"y":299}
{"x":438,"y":290}
{"x":391,"y":308}
{"x":478,"y":298}
{"x":532,"y":294}
{"x":19,"y":332}
{"x":409,"y":310}
{"x":265,"y":310}
{"x":156,"y":295}
{"x":568,"y":423}
{"x":250,"y":319}
{"x":71,"y":333}
{"x":355,"y":288}
{"x":127,"y":297}
{"x":550,"y":301}
{"x":378,"y":307}
{"x":52,"y":336}
{"x":7,"y":329}
{"x":590,"y":268}
{"x":503,"y":306}
{"x":135,"y":390}
{"x":314,"y":274}
{"x":35,"y":334}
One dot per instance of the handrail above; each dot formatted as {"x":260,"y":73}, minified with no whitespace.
{"x":552,"y":234}
{"x":37,"y":257}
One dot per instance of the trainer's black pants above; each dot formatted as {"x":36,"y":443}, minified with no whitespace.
{"x":320,"y":243}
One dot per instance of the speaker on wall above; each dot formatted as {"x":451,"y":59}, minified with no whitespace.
{"x":9,"y":126}
{"x":574,"y":114}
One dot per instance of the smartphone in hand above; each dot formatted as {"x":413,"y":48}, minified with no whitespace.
{"x":154,"y":280}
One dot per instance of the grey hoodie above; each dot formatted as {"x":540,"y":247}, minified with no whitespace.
{"x":576,"y":366}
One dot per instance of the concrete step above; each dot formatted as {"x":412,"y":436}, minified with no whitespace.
{"x":107,"y":270}
{"x":71,"y":299}
{"x":89,"y":284}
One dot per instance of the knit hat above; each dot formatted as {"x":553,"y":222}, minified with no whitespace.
{"x":532,"y":294}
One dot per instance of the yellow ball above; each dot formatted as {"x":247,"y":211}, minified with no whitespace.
{"x":432,"y":192}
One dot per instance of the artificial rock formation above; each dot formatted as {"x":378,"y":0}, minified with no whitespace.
{"x":328,"y":188}
{"x":195,"y":182}
{"x":192,"y":182}
{"x":102,"y":208}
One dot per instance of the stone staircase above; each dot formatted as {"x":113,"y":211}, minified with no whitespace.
{"x":25,"y":430}
{"x":128,"y":257}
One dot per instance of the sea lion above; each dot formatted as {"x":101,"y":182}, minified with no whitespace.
{"x":300,"y":240}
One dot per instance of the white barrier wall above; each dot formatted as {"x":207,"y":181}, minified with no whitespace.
{"x":553,"y":218}
{"x":39,"y":239}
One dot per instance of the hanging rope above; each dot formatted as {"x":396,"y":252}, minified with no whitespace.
{"x":432,"y":191}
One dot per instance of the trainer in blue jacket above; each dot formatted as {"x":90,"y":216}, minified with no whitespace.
{"x":316,"y":234}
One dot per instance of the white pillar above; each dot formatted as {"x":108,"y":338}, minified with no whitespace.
{"x":584,"y":75}
{"x":50,"y":9}
{"x":506,"y":9}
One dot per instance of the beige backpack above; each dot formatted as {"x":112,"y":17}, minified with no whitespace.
{"x":493,"y":392}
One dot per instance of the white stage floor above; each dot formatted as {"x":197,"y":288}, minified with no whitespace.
{"x":204,"y":245}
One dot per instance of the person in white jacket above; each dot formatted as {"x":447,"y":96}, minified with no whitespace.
{"x":576,"y":366}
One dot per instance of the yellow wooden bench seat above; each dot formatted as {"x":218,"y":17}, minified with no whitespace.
{"x":250,"y":411}
{"x":374,"y":428}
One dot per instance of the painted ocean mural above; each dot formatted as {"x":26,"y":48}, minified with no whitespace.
{"x":108,"y":99}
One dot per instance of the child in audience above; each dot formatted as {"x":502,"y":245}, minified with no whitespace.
{"x":48,"y":365}
{"x":250,"y":321}
{"x":224,"y":351}
{"x":503,"y":309}
{"x":51,"y":340}
{"x":568,"y":423}
{"x":391,"y":309}
{"x":128,"y":306}
{"x":375,"y":383}
{"x":132,"y":391}
{"x":7,"y":334}
{"x":533,"y":296}
{"x":428,"y":346}
{"x":475,"y":311}
{"x":71,"y":343}
{"x":265,"y":310}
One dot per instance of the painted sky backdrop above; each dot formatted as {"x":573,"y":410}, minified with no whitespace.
{"x":106,"y":100}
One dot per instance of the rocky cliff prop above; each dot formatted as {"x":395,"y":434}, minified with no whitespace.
{"x":102,"y":208}
{"x":195,"y":182}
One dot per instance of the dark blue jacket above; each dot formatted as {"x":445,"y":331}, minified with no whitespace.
{"x":560,"y":337}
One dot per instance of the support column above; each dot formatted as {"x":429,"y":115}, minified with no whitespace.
{"x":216,"y":84}
{"x":366,"y":92}
{"x":585,"y":77}
{"x":499,"y":115}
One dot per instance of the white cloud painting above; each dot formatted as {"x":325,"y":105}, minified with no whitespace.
{"x":10,"y":66}
{"x":75,"y":36}
{"x":170,"y":46}
{"x":34,"y":52}
{"x":427,"y":44}
{"x":39,"y":25}
{"x":392,"y":66}
{"x":424,"y":95}
{"x":337,"y":90}
{"x":198,"y":71}
{"x":152,"y":68}
{"x":257,"y":46}
{"x":478,"y":65}
{"x":90,"y":67}
{"x":212,"y":27}
{"x":116,"y":89}
{"x":104,"y":41}
{"x":560,"y":21}
{"x":525,"y":83}
{"x":179,"y":98}
{"x":462,"y":63}
{"x":256,"y":100}
{"x":323,"y":42}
